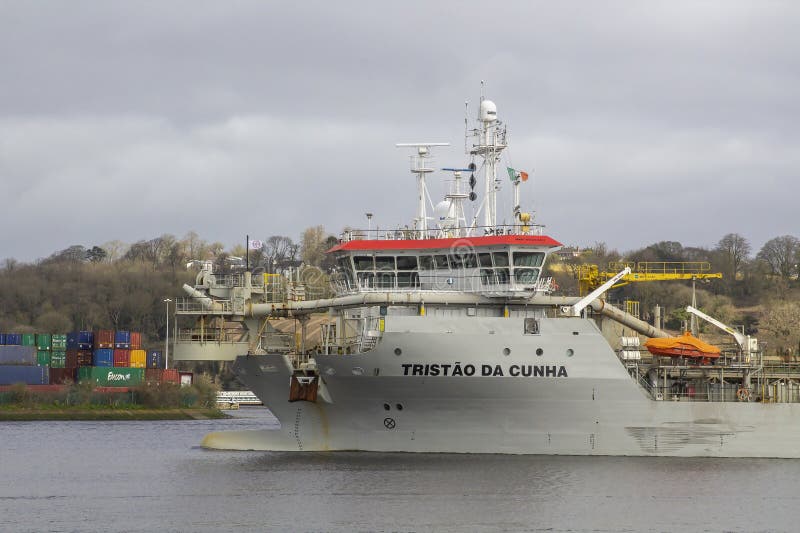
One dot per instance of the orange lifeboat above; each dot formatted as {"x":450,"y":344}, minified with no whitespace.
{"x":686,"y":345}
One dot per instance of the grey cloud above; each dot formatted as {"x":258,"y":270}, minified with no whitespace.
{"x":643,"y":121}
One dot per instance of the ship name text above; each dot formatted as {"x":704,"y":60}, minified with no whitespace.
{"x":457,"y":369}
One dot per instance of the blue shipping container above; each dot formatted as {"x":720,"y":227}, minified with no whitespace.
{"x":122,"y":340}
{"x":14,"y":338}
{"x":30,"y":375}
{"x":79,"y":340}
{"x":17,"y":355}
{"x":103,"y":357}
{"x":155,"y":359}
{"x":2,"y":338}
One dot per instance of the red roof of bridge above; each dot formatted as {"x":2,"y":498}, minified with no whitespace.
{"x":427,"y":244}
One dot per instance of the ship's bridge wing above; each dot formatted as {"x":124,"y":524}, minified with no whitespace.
{"x":496,"y":265}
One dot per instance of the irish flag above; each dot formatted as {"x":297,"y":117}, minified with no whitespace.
{"x":515,"y":175}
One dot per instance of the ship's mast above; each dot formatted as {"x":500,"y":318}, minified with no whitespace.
{"x":421,"y":165}
{"x":491,"y":142}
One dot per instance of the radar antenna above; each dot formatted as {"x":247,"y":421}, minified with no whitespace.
{"x":421,"y":165}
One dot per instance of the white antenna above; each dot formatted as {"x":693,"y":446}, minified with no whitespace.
{"x":421,"y":165}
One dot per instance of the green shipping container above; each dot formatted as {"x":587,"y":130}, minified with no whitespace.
{"x":43,"y":357}
{"x":43,"y":341}
{"x":28,"y":339}
{"x":59,"y":341}
{"x":105,"y":376}
{"x":58,"y":359}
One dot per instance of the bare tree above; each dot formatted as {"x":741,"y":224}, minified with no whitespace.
{"x":781,"y":254}
{"x":734,"y":251}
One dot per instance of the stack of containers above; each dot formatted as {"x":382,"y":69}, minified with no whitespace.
{"x":103,"y":354}
{"x":18,"y":361}
{"x":58,"y":352}
{"x":122,"y":348}
{"x":79,"y":349}
{"x":43,"y":348}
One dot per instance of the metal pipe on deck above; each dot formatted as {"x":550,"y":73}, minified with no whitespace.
{"x":205,"y":301}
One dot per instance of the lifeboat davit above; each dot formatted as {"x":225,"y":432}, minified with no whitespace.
{"x":686,"y":345}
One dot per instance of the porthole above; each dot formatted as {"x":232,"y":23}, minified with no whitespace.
{"x":506,"y":351}
{"x":386,"y":407}
{"x":570,"y":352}
{"x":539,"y":351}
{"x":398,"y":351}
{"x":399,"y":406}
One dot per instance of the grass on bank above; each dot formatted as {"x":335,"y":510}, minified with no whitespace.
{"x":80,"y":401}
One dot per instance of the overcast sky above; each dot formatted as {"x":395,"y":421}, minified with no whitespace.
{"x":639,"y":121}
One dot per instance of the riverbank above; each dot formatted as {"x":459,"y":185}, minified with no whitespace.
{"x":28,"y":414}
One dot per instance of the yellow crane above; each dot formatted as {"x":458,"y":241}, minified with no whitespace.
{"x":590,"y":276}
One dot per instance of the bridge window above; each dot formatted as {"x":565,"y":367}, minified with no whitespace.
{"x":455,"y":262}
{"x":470,"y":260}
{"x":527,"y":276}
{"x":364,"y":262}
{"x":528,"y":259}
{"x":406,"y":262}
{"x":384,"y":263}
{"x":426,"y":262}
{"x":441,"y":262}
{"x":384,"y":280}
{"x":485,"y":260}
{"x":366,"y":279}
{"x":407,"y":279}
{"x":500,"y":259}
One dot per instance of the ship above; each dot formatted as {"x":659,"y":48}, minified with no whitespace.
{"x":447,"y":336}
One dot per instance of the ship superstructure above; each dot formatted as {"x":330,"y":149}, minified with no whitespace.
{"x":444,"y":336}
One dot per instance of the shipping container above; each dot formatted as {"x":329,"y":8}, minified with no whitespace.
{"x":161,"y":375}
{"x":136,"y":340}
{"x":111,"y":377}
{"x":44,"y":341}
{"x":43,"y":357}
{"x":2,"y":339}
{"x":62,"y":375}
{"x":13,"y":354}
{"x":28,"y":339}
{"x":104,"y":338}
{"x":13,"y":339}
{"x":155,"y":359}
{"x":80,"y":340}
{"x":58,"y":359}
{"x":122,"y":340}
{"x":138,"y":359}
{"x":76,"y":358}
{"x":30,"y":375}
{"x":58,"y":341}
{"x":122,"y":358}
{"x":103,"y":357}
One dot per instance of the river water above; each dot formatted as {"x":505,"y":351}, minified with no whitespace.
{"x":152,"y":476}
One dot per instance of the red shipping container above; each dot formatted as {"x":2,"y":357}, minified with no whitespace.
{"x":160,"y":375}
{"x":76,"y":358}
{"x":122,"y":358}
{"x":136,"y":340}
{"x":60,"y":375}
{"x":104,"y":338}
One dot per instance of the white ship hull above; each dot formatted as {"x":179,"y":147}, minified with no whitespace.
{"x":580,"y":404}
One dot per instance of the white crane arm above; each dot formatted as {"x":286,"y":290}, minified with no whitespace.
{"x":741,"y":340}
{"x":592,"y":296}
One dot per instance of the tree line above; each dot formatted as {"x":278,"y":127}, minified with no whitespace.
{"x":115,"y":285}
